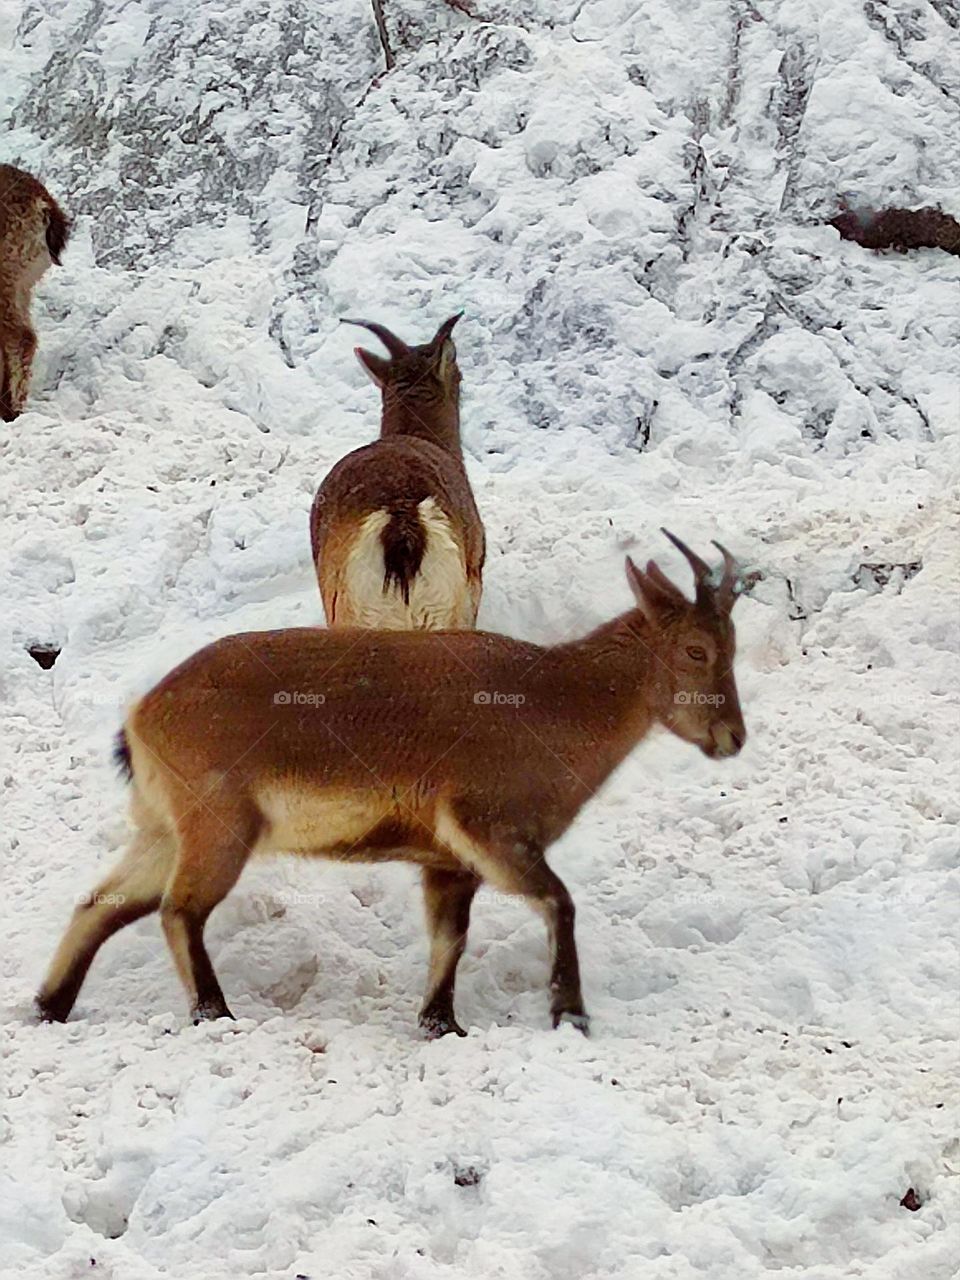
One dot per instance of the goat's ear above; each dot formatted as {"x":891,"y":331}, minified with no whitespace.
{"x":374,"y":366}
{"x":653,"y":598}
{"x":669,"y":593}
{"x":445,"y":330}
{"x":446,"y":360}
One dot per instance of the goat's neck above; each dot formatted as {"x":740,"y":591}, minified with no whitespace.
{"x":438,"y":423}
{"x":612,"y":680}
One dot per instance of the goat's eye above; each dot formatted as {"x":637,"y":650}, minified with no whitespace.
{"x":696,"y":653}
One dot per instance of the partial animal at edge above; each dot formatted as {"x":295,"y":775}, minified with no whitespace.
{"x":33,"y":234}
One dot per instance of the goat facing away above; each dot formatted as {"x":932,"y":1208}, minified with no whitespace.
{"x":465,"y":752}
{"x":33,"y":234}
{"x":396,"y":537}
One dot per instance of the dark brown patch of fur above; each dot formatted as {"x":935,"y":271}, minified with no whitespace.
{"x":58,"y":231}
{"x":899,"y":229}
{"x":404,"y":543}
{"x":121,"y":756}
{"x":7,"y":411}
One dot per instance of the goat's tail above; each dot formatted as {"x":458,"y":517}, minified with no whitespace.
{"x":404,"y":541}
{"x":121,"y":756}
{"x":58,"y":231}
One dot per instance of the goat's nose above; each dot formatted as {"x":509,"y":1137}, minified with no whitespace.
{"x":728,"y":738}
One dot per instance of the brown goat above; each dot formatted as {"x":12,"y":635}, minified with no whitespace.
{"x":396,"y":537}
{"x":33,"y":233}
{"x":465,"y":752}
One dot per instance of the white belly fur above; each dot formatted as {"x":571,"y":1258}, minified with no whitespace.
{"x":439,"y":595}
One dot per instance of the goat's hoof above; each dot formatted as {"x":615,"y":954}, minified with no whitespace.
{"x":50,"y":1010}
{"x":579,"y":1020}
{"x":434,"y":1026}
{"x":210,"y":1011}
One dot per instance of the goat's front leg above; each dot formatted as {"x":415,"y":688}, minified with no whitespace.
{"x":515,"y":864}
{"x":447,"y":896}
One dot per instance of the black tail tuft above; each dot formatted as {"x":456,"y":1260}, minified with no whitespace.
{"x":58,"y":231}
{"x":404,"y":541}
{"x":121,"y":756}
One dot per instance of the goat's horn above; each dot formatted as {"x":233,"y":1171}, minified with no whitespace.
{"x":396,"y":346}
{"x":445,"y":330}
{"x":727,"y":591}
{"x":701,"y":570}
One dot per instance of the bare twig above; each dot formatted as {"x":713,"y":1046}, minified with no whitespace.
{"x":388,"y":58}
{"x":462,"y":7}
{"x":313,"y":212}
{"x":466,"y":8}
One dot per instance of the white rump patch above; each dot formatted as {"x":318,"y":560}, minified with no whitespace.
{"x":439,"y":593}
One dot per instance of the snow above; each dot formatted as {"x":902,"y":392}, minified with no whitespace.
{"x":627,"y":198}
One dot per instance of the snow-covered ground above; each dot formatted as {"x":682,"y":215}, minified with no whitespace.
{"x":626,"y":196}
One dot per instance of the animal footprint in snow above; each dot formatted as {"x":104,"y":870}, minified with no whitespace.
{"x":293,"y":986}
{"x":105,"y":1205}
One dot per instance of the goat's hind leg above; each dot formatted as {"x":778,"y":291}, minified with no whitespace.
{"x":214,"y":848}
{"x":132,"y":889}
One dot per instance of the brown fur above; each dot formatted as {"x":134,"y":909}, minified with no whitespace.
{"x":33,"y":233}
{"x":465,"y":752}
{"x":899,"y":229}
{"x":417,"y":459}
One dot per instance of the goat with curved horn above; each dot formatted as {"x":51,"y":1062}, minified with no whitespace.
{"x":465,"y":752}
{"x":395,"y":532}
{"x":33,"y":234}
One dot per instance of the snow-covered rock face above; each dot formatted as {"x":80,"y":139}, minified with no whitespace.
{"x":628,"y":200}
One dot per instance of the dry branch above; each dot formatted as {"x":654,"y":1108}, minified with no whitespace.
{"x":388,"y":58}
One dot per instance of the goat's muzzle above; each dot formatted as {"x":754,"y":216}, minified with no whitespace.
{"x":724,"y":740}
